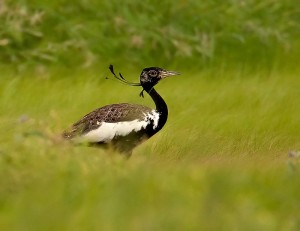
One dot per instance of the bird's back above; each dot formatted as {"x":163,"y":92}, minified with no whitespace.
{"x":123,"y":125}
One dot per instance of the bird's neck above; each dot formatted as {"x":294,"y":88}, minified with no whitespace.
{"x":161,"y":106}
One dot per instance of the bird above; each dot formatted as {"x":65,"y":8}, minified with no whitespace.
{"x":124,"y":126}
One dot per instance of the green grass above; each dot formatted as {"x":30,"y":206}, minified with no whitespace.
{"x":220,"y":163}
{"x":86,"y":33}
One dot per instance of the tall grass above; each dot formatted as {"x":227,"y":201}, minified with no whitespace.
{"x":197,"y":33}
{"x":220,"y":163}
{"x":228,"y":157}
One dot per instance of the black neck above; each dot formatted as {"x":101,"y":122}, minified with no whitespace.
{"x":161,"y":107}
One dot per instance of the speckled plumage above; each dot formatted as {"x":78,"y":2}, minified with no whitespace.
{"x":109,"y":114}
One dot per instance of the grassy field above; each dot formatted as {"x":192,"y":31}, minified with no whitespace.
{"x":228,"y":157}
{"x":221,"y":162}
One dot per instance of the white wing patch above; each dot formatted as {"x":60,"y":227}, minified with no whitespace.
{"x":107,"y":131}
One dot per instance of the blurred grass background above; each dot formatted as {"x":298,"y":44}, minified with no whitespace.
{"x":228,"y":158}
{"x":190,"y":32}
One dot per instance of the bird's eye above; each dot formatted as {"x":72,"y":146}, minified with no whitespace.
{"x":153,"y":73}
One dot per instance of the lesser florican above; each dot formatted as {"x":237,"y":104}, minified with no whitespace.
{"x":123,"y":126}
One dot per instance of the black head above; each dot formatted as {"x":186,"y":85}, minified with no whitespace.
{"x":152,"y":75}
{"x":148,"y":79}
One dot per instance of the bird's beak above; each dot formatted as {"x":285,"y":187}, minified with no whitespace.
{"x":165,"y":74}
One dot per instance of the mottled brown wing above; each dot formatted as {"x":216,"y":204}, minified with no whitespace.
{"x":110,"y":114}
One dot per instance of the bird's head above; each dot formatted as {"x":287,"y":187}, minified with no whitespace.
{"x":152,"y":75}
{"x":149,"y":77}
